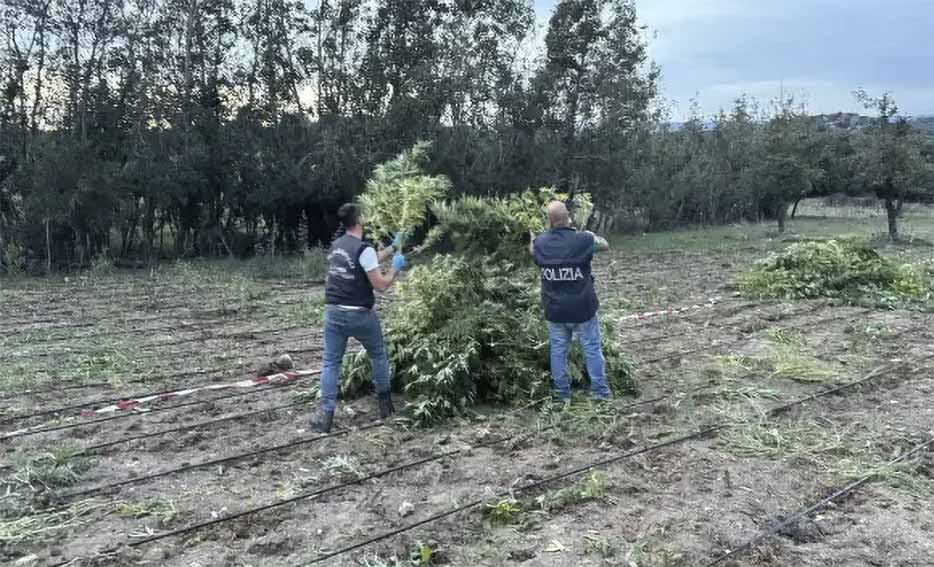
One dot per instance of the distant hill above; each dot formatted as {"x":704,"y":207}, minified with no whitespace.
{"x":843,"y":121}
{"x":850,"y":120}
{"x":924,"y":124}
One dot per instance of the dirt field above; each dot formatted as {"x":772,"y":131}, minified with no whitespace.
{"x":98,"y":339}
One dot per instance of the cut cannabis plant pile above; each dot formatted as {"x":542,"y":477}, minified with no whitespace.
{"x":466,"y":326}
{"x":843,"y":270}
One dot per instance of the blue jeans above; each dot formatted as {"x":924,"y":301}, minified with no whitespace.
{"x":560,"y":336}
{"x":340,"y":325}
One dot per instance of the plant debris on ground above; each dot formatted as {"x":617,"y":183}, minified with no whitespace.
{"x":844,"y":270}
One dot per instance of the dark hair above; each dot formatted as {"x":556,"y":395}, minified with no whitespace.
{"x":348,"y":215}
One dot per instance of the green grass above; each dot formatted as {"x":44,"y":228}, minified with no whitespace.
{"x":813,"y":221}
{"x":423,"y":554}
{"x":593,"y":487}
{"x":790,"y":364}
{"x":42,"y":526}
{"x":59,"y":467}
{"x":527,"y":513}
{"x":779,"y":441}
{"x":162,"y":281}
{"x":342,"y":466}
{"x":163,"y":510}
{"x":693,"y":240}
{"x":309,"y":312}
{"x":584,"y":420}
{"x":597,"y":544}
{"x":733,"y":392}
{"x":503,"y":512}
{"x":33,"y":477}
{"x":785,"y":360}
{"x":908,"y":477}
{"x":868,"y":333}
{"x":309,"y":267}
{"x":840,"y":455}
{"x":308,"y":395}
{"x":786,"y":337}
{"x":109,"y":358}
{"x":651,"y":550}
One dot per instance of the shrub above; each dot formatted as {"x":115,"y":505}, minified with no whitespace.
{"x":842,"y":270}
{"x":13,"y":260}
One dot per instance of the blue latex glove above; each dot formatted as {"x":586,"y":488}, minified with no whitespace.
{"x":398,"y":240}
{"x":398,"y":262}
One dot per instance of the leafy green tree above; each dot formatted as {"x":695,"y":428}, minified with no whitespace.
{"x":595,"y":87}
{"x":889,"y":160}
{"x":218,"y":125}
{"x":791,"y":165}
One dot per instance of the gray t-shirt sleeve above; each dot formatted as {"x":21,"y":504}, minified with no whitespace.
{"x":368,"y":259}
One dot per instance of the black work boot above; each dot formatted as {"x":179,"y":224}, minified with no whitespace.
{"x":385,"y":405}
{"x":322,"y":421}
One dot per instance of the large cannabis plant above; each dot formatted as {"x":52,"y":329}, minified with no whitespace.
{"x":399,"y":193}
{"x":465,"y":325}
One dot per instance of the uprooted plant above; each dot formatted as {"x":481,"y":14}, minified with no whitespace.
{"x":466,"y":326}
{"x":399,"y":192}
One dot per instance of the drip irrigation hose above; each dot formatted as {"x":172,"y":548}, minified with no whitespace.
{"x":196,"y":311}
{"x":706,"y":431}
{"x":793,"y":519}
{"x":252,"y":334}
{"x":251,"y":392}
{"x":156,"y":378}
{"x":703,"y":432}
{"x":85,"y":451}
{"x":536,"y":484}
{"x":622,"y":343}
{"x":204,"y":464}
{"x":98,"y":402}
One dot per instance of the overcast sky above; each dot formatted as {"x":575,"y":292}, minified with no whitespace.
{"x":820,"y":50}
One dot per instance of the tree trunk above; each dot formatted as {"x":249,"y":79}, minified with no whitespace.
{"x":79,"y":248}
{"x":781,"y":213}
{"x":48,"y":248}
{"x":274,"y":236}
{"x":40,"y":68}
{"x":4,"y":261}
{"x":220,"y":234}
{"x":892,"y":211}
{"x":794,"y":209}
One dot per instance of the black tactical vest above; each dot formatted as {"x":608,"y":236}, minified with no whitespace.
{"x":564,"y":256}
{"x":347,"y":282}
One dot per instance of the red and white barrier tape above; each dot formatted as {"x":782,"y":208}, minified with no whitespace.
{"x":138,"y":403}
{"x":248,"y":383}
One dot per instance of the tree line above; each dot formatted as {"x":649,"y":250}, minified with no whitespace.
{"x":144,"y":128}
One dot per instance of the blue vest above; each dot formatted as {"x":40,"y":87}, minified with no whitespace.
{"x":347,"y":282}
{"x":564,"y":256}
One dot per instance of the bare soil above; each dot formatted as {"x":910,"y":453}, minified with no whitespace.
{"x":685,"y":504}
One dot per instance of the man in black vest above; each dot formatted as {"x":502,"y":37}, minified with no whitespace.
{"x":353,"y":274}
{"x":570,"y":301}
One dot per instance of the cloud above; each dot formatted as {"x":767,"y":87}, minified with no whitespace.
{"x":719,"y":49}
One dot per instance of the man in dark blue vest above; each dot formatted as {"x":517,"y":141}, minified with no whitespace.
{"x":353,"y":274}
{"x":564,"y":256}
